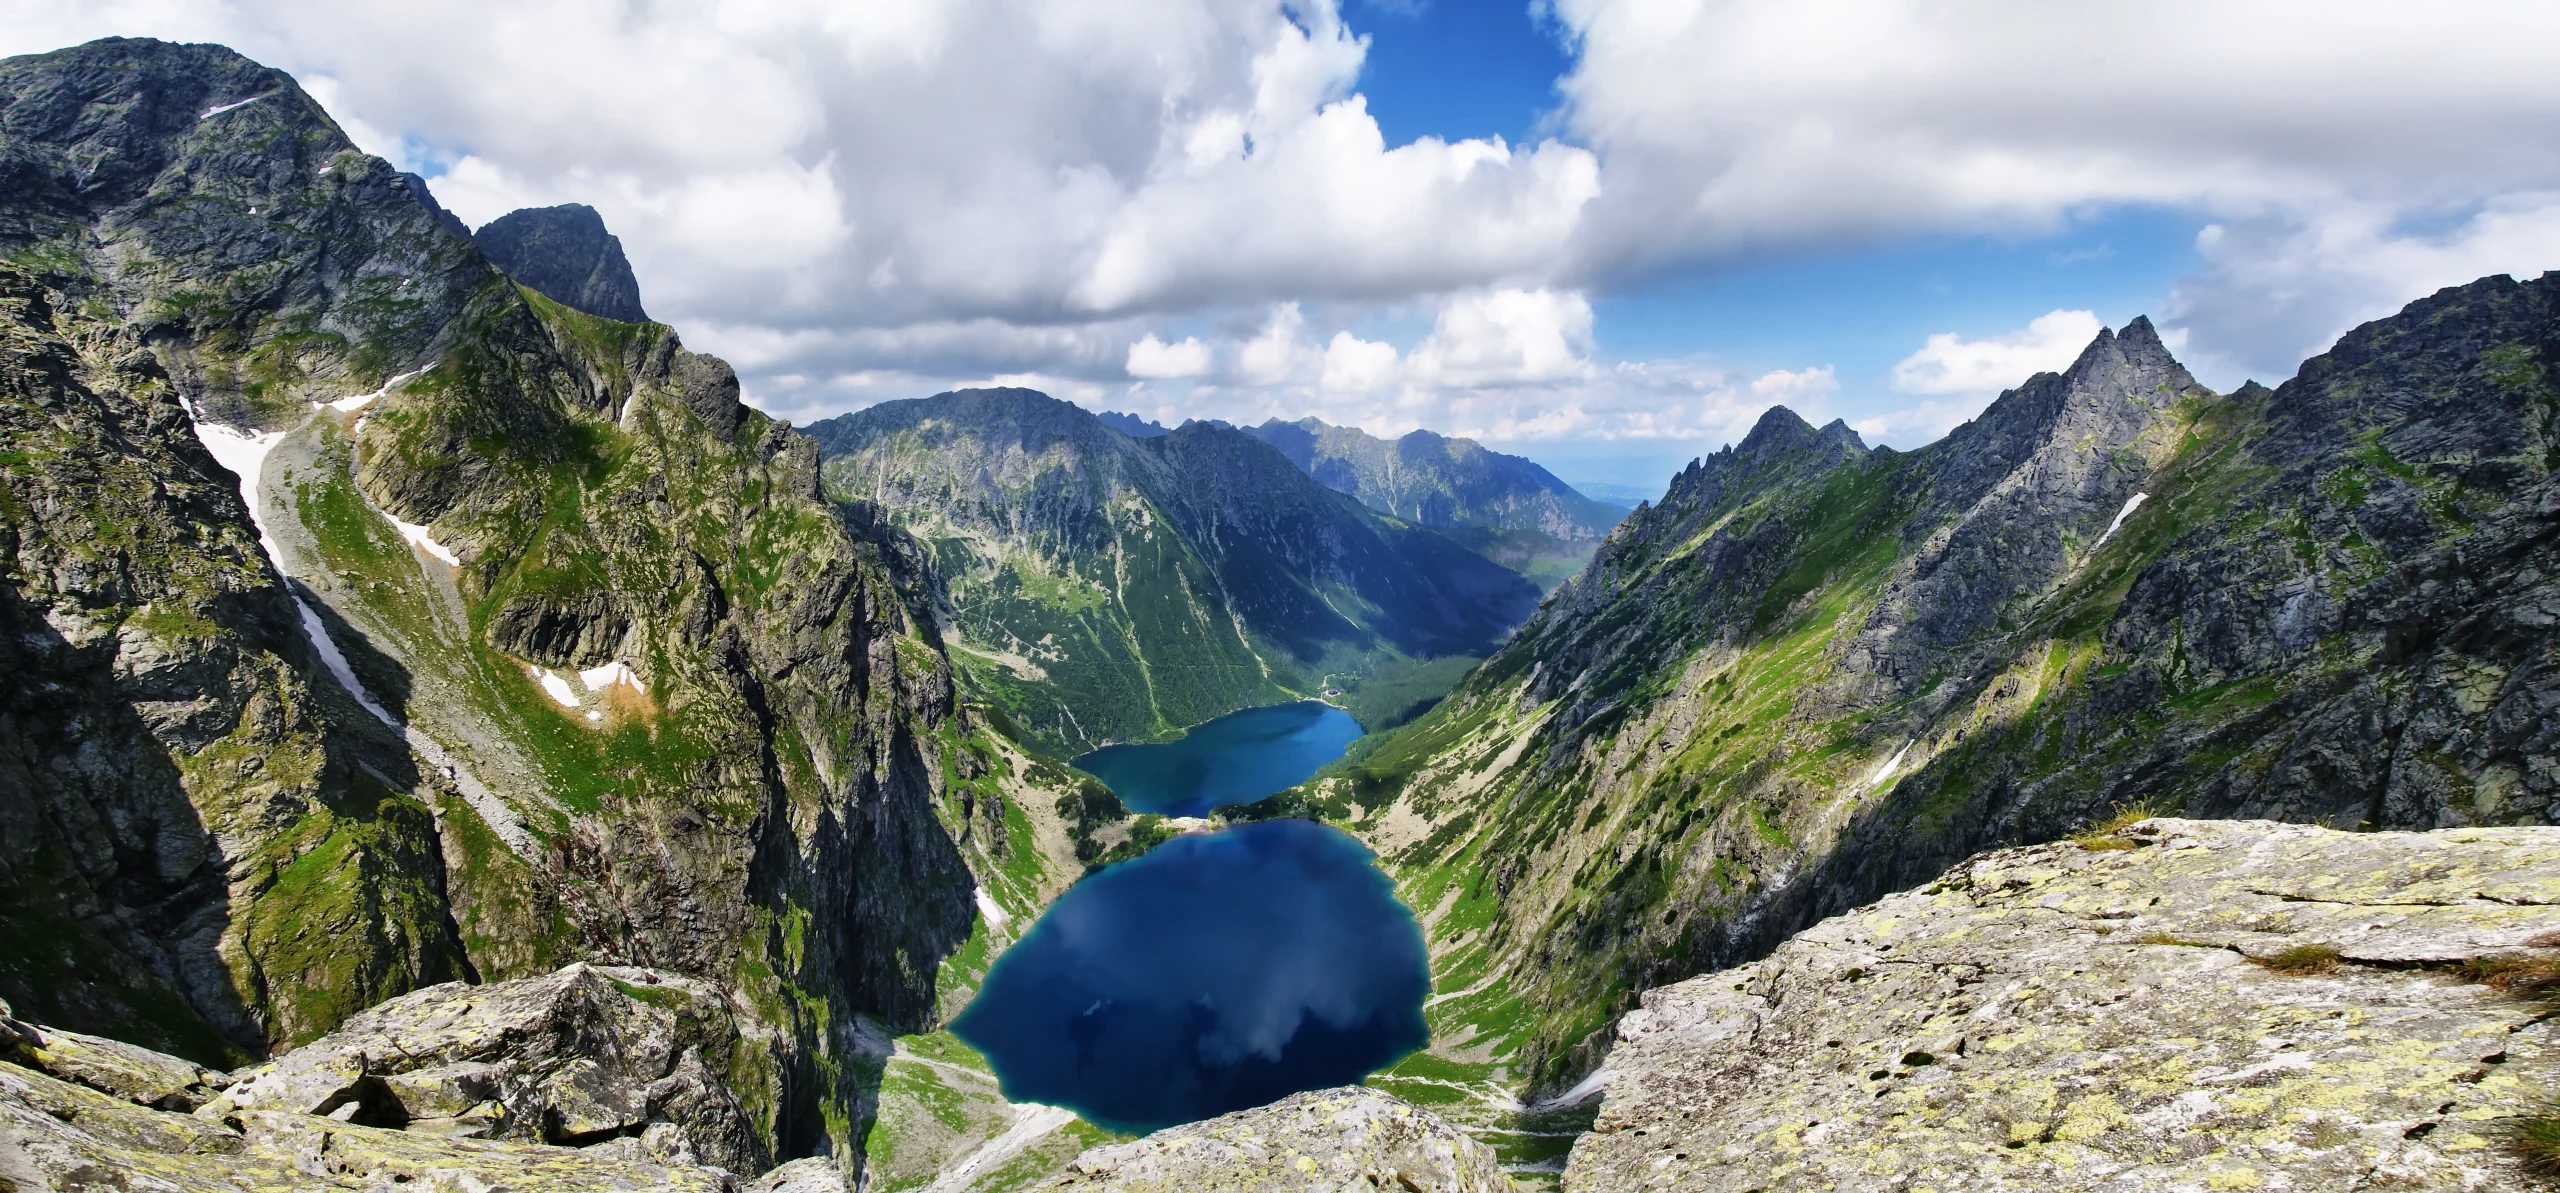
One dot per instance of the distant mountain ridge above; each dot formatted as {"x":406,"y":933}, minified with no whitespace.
{"x":1505,"y":507}
{"x":1133,"y":426}
{"x":1105,"y":587}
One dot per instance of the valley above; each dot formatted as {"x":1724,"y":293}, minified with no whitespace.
{"x":447,"y":731}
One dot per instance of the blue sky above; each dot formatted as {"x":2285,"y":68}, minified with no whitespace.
{"x":1455,"y":70}
{"x":1605,"y":234}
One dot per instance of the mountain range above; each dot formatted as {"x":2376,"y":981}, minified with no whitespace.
{"x":1816,"y":672}
{"x":1506,"y":508}
{"x":1109,"y":588}
{"x":448,"y":739}
{"x":1503,"y":507}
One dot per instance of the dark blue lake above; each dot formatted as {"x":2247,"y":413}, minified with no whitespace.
{"x":1238,"y":758}
{"x":1217,"y":972}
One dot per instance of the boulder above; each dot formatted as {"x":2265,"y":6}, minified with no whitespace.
{"x":1348,"y":1140}
{"x":816,"y":1174}
{"x":137,"y":1075}
{"x":2192,"y":1005}
{"x":630,"y":1059}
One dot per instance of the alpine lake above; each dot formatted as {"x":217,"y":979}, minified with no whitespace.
{"x":1220,"y":970}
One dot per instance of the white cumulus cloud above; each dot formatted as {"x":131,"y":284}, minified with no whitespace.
{"x":1153,"y":358}
{"x":890,"y":197}
{"x":1950,"y":364}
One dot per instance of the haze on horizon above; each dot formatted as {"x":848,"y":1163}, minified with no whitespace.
{"x":1603,"y":233}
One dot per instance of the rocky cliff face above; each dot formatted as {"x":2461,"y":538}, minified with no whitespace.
{"x":1818,"y":673}
{"x":1508,"y":509}
{"x":375,"y":623}
{"x":2219,"y":1005}
{"x":1108,"y":588}
{"x":565,"y":253}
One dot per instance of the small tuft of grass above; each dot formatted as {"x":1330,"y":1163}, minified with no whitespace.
{"x":2180,"y":941}
{"x":2525,"y":975}
{"x":2534,"y":1140}
{"x":2107,"y":834}
{"x":2301,"y":960}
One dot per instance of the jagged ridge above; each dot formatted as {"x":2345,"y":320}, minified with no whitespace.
{"x":1816,"y":674}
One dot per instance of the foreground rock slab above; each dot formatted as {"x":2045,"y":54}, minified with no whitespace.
{"x":587,"y":1055}
{"x":1348,"y":1140}
{"x":591,"y":1078}
{"x":58,"y":1135}
{"x":2192,"y":1006}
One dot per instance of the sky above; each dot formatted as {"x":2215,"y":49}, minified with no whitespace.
{"x":1605,"y":234}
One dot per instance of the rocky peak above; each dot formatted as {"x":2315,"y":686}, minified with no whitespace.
{"x":426,"y":198}
{"x":2113,"y":396}
{"x":162,"y":170}
{"x":1782,"y":439}
{"x":565,"y":253}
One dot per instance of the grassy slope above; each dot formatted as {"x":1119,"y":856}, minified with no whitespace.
{"x":1508,"y":841}
{"x":1561,"y":869}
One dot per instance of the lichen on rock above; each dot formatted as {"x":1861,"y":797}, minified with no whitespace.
{"x":2056,"y":1018}
{"x":1328,"y":1141}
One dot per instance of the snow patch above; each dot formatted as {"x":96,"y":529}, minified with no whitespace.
{"x":336,"y":661}
{"x":1891,"y":765}
{"x":245,"y":454}
{"x":595,"y":716}
{"x":996,"y":918}
{"x":426,"y":542}
{"x":2130,"y":504}
{"x":558,"y":688}
{"x":598,"y":679}
{"x":1031,"y":1122}
{"x":360,"y":401}
{"x":1580,"y":1093}
{"x":219,"y":109}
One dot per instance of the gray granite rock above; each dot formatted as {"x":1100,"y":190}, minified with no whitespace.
{"x":1348,"y":1140}
{"x":629,"y":1058}
{"x":565,"y":253}
{"x":2230,"y":1005}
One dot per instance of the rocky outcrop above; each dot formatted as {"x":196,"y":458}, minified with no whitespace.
{"x":2189,"y":1005}
{"x":581,"y":1057}
{"x":194,"y":820}
{"x":565,"y":253}
{"x":55,"y":1134}
{"x":1348,"y":1140}
{"x":619,"y":1071}
{"x":137,"y":1075}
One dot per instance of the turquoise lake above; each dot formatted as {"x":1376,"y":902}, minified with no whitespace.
{"x":1236,"y":759}
{"x":1218,"y":971}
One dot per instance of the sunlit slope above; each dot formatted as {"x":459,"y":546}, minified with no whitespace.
{"x":1104,"y":588}
{"x":1816,"y":672}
